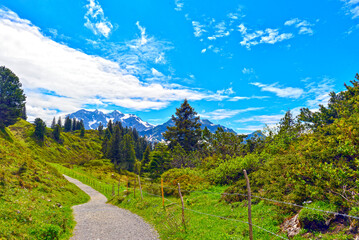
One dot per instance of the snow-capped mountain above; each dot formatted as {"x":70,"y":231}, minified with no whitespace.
{"x":93,"y":119}
{"x":155,"y":134}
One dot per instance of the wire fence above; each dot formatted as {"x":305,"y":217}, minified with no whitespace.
{"x":107,"y":191}
{"x":269,"y":200}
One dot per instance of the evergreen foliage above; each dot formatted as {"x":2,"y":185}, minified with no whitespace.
{"x":53,"y":124}
{"x":12,"y":98}
{"x":40,"y":128}
{"x":187,"y":129}
{"x":56,"y":133}
{"x":23,"y":113}
{"x":59,"y":122}
{"x":68,"y":124}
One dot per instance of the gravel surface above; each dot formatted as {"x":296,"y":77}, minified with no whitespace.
{"x":97,"y":220}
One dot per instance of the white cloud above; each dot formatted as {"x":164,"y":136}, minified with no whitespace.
{"x":269,"y":36}
{"x":57,"y":78}
{"x":319,"y":92}
{"x":198,"y":29}
{"x":264,"y":119}
{"x":179,"y":5}
{"x":247,"y":70}
{"x":220,"y":31}
{"x":220,"y":114}
{"x":287,"y":92}
{"x":203,"y":50}
{"x":352,"y":7}
{"x":237,"y":98}
{"x":135,"y":55}
{"x":96,"y":20}
{"x":304,"y":26}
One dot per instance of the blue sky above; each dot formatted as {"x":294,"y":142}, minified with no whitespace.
{"x":240,"y":63}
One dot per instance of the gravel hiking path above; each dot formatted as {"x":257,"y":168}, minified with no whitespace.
{"x":97,"y":220}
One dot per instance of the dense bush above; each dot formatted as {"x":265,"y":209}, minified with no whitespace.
{"x":316,"y":220}
{"x":230,"y":171}
{"x":189,"y":179}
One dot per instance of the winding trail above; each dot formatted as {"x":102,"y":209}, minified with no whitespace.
{"x":97,"y":220}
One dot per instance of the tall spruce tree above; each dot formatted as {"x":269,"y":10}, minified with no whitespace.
{"x":187,"y":129}
{"x":146,"y":156}
{"x":67,"y":124}
{"x":40,"y":128}
{"x":114,"y":149}
{"x":56,"y":133}
{"x":53,"y":124}
{"x":128,"y":153}
{"x":23,"y":113}
{"x":106,"y":143}
{"x":59,"y":122}
{"x":12,"y":97}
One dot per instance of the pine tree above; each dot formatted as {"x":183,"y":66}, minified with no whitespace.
{"x":67,"y":124}
{"x":187,"y":129}
{"x":56,"y":133}
{"x":82,"y":133}
{"x":23,"y":113}
{"x":110,"y":126}
{"x":40,"y":128}
{"x":100,"y":129}
{"x":146,"y":156}
{"x":53,"y":124}
{"x":59,"y":122}
{"x":12,"y":97}
{"x":128,"y":153}
{"x":114,"y":149}
{"x":106,"y":143}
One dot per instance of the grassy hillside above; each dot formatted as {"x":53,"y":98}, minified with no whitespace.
{"x":35,"y":200}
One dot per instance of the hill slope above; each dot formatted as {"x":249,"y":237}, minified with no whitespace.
{"x":35,"y":200}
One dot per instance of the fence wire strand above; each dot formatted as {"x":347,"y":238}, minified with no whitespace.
{"x":273,"y":200}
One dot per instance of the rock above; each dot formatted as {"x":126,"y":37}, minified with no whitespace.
{"x":59,"y":205}
{"x":291,"y":226}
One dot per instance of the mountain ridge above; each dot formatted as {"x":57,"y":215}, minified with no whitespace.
{"x":153,"y":133}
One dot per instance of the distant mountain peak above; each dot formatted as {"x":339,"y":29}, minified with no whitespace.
{"x":92,"y":119}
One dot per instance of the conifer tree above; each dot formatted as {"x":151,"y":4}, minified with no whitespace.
{"x":53,"y":124}
{"x":12,"y":97}
{"x":106,"y":143}
{"x":100,"y":129}
{"x":114,"y":151}
{"x":82,"y":133}
{"x":187,"y":129}
{"x":146,"y":156}
{"x":59,"y":122}
{"x":40,"y":128}
{"x":67,"y":124}
{"x":110,"y":126}
{"x":56,"y":133}
{"x":23,"y":113}
{"x":128,"y":153}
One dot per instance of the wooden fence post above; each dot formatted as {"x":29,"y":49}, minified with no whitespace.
{"x":180,"y":194}
{"x":139,"y":183}
{"x":118,"y":188}
{"x":249,"y":206}
{"x":163,"y":196}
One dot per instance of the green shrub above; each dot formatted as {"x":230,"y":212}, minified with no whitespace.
{"x":232,"y":170}
{"x":189,"y":179}
{"x":94,"y":163}
{"x":314,"y":220}
{"x":47,"y":232}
